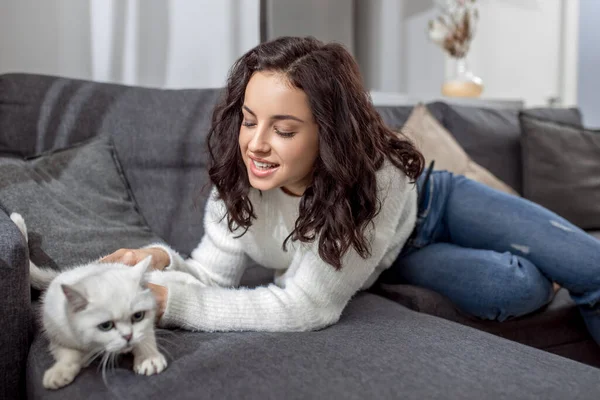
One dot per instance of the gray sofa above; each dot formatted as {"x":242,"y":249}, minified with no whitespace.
{"x":394,"y":341}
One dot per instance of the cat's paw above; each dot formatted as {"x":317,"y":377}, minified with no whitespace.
{"x":150,"y":365}
{"x":60,"y":375}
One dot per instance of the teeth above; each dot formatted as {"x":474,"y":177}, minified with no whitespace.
{"x":263,"y":165}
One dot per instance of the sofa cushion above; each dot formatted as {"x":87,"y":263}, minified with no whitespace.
{"x":378,"y":349}
{"x":552,"y":328}
{"x":396,"y":116}
{"x":159,"y":136}
{"x":492,"y":136}
{"x":75,"y":202}
{"x":437,"y":144}
{"x":561,"y":169}
{"x":569,"y":116}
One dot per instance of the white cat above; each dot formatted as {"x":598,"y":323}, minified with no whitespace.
{"x":98,"y":309}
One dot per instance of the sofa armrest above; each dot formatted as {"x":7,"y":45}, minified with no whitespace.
{"x":15,"y":309}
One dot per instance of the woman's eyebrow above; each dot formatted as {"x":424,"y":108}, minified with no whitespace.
{"x":277,"y":117}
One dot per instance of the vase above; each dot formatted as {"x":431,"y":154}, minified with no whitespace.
{"x":462,"y":82}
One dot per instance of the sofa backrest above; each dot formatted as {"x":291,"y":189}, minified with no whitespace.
{"x":492,"y":136}
{"x":159,"y":137}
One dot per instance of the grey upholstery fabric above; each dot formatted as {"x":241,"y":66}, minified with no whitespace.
{"x":561,"y":169}
{"x":552,"y":328}
{"x":396,"y":116}
{"x":15,"y":310}
{"x":75,"y":203}
{"x":159,"y":136}
{"x":378,"y":350}
{"x":570,"y":116}
{"x":490,"y":137}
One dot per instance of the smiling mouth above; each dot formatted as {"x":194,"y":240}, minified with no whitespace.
{"x":263,"y":165}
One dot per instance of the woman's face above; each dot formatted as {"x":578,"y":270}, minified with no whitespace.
{"x":279,"y":137}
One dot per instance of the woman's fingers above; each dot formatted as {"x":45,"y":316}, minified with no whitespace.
{"x":125,"y":256}
{"x":160,"y":258}
{"x":129,"y":258}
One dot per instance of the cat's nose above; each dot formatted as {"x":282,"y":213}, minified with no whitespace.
{"x":128,"y":337}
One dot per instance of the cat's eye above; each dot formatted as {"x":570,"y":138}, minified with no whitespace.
{"x":138,"y":316}
{"x":106,"y":326}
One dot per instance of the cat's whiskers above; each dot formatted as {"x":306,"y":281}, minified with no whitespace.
{"x":103,"y":366}
{"x":160,"y":344}
{"x":145,"y":346}
{"x":108,"y":364}
{"x":92,"y":355}
{"x":113,"y":361}
{"x":165,"y":340}
{"x":160,"y":337}
{"x":160,"y":331}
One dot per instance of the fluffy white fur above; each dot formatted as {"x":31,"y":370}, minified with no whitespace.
{"x":99,"y":309}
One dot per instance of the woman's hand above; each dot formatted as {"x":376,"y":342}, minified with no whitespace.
{"x":160,"y":259}
{"x":160,"y":294}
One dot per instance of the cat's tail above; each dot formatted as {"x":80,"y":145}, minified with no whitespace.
{"x":40,"y":278}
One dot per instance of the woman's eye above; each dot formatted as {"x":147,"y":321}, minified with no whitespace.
{"x":285,"y":134}
{"x":248,"y":124}
{"x":138,"y":316}
{"x":106,"y":326}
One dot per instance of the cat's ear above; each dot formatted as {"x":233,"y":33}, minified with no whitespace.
{"x":140,"y":269}
{"x":74,"y":297}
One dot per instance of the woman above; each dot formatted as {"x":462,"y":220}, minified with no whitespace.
{"x":309,"y":181}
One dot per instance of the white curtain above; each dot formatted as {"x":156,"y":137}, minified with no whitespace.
{"x":158,"y":43}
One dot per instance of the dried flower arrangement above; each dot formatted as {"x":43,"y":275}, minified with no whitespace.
{"x":454,"y":29}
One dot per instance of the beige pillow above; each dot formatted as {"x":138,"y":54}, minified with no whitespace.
{"x":436,"y":143}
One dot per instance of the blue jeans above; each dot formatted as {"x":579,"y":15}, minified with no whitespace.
{"x":495,"y":255}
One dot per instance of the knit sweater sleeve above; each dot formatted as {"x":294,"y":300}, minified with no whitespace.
{"x":219,"y":259}
{"x":315,"y":294}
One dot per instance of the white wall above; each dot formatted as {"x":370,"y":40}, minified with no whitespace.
{"x":569,"y":74}
{"x":517,"y":50}
{"x":206,"y":37}
{"x":425,"y":62}
{"x":380,"y":59}
{"x":50,"y":37}
{"x":162,"y":43}
{"x":392,"y":48}
{"x":327,"y":20}
{"x":523,"y":49}
{"x":589,"y":62}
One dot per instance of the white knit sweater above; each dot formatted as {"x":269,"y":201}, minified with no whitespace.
{"x":307,"y":293}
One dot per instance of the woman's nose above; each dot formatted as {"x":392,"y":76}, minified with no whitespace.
{"x":260,"y":141}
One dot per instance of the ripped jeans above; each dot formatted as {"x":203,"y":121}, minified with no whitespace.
{"x":496,"y":255}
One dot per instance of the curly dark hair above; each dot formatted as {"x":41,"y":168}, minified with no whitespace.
{"x":353,"y":142}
